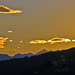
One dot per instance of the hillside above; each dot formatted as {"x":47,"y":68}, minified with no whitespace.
{"x":48,"y":63}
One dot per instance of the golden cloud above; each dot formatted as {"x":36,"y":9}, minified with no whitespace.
{"x":57,"y":39}
{"x":38,"y":42}
{"x":10,"y":31}
{"x":21,"y":41}
{"x":8,"y":10}
{"x":73,"y":40}
{"x":51,"y":41}
{"x":10,"y":40}
{"x":2,"y":42}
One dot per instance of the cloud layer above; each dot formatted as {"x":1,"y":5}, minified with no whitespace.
{"x":51,"y":41}
{"x":8,"y":10}
{"x":2,"y":42}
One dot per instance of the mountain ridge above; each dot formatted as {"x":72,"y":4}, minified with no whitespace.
{"x":19,"y":55}
{"x":7,"y":57}
{"x":47,"y":63}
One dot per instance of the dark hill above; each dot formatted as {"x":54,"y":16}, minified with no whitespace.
{"x":44,"y":64}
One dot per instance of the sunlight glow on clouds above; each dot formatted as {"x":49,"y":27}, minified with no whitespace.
{"x":73,"y":40}
{"x":38,"y":42}
{"x":57,"y":39}
{"x":51,"y":41}
{"x":21,"y":41}
{"x":2,"y":42}
{"x":7,"y":10}
{"x":10,"y":31}
{"x":10,"y":40}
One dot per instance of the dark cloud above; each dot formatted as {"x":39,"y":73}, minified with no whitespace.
{"x":8,"y":10}
{"x":2,"y":9}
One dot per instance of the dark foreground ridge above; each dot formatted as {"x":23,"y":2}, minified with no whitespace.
{"x":45,"y":64}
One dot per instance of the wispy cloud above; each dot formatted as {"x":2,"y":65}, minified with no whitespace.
{"x":2,"y":41}
{"x":51,"y":41}
{"x":7,"y":10}
{"x":57,"y":40}
{"x":73,"y":40}
{"x":10,"y":31}
{"x":38,"y":42}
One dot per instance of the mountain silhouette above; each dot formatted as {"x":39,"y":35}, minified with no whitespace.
{"x":22,"y":55}
{"x":7,"y":57}
{"x":4,"y":57}
{"x":43,"y":64}
{"x":41,"y":52}
{"x":18,"y":56}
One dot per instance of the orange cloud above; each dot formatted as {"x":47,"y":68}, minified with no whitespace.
{"x":51,"y":41}
{"x":7,"y":10}
{"x":57,"y":39}
{"x":10,"y":31}
{"x":38,"y":42}
{"x":10,"y":40}
{"x":73,"y":40}
{"x":2,"y":42}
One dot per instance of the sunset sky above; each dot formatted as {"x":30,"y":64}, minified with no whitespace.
{"x":39,"y":20}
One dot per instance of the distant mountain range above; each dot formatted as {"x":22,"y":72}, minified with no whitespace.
{"x":7,"y":57}
{"x":4,"y":57}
